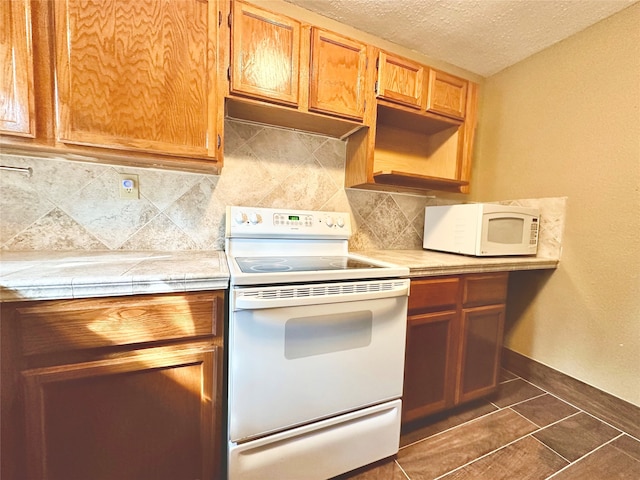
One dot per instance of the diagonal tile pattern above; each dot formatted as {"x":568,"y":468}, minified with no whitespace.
{"x":71,"y":205}
{"x":74,"y":205}
{"x":522,"y":432}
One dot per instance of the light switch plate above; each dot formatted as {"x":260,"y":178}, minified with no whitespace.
{"x":129,"y":186}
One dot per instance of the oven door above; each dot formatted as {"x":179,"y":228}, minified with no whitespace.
{"x":302,"y":353}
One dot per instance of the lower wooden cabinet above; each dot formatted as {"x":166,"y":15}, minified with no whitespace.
{"x":432,"y":343}
{"x":480,"y":346}
{"x":88,"y":399}
{"x":454,"y":338}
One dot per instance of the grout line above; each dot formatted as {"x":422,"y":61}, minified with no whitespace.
{"x":508,"y":380}
{"x":553,"y":451}
{"x":527,"y":419}
{"x":401,"y":469}
{"x":498,"y":408}
{"x":587,"y":413}
{"x":584,"y":456}
{"x":483,"y":456}
{"x":620,"y":450}
{"x":525,"y":400}
{"x":581,"y":409}
{"x":449,"y":429}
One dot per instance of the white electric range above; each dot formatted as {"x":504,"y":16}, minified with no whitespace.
{"x":316,"y":347}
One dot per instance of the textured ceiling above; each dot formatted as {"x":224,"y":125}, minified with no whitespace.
{"x":481,"y":36}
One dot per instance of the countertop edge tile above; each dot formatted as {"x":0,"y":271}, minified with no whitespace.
{"x":426,"y":263}
{"x":55,"y":275}
{"x":59,"y":275}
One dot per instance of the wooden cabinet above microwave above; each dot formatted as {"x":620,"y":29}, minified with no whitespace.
{"x":421,"y":132}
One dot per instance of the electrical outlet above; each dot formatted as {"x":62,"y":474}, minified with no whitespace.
{"x":129,"y":186}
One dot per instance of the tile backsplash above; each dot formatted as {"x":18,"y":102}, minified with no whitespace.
{"x":68,"y":205}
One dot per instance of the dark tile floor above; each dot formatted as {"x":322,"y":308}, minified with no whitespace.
{"x":521,"y":433}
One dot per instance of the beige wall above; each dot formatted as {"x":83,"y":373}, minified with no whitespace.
{"x":567,"y":122}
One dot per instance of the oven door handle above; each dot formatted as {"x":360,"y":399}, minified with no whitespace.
{"x":242,"y":301}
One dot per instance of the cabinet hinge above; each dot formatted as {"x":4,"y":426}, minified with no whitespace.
{"x":366,"y":63}
{"x":364,"y":109}
{"x":219,"y":140}
{"x":219,"y":18}
{"x":229,"y":20}
{"x":229,"y":73}
{"x":377,"y":63}
{"x":375,"y":87}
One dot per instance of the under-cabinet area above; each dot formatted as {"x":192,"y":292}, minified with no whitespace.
{"x":129,"y":84}
{"x":118,"y":387}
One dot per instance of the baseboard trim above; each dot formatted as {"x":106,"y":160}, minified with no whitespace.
{"x":617,"y":412}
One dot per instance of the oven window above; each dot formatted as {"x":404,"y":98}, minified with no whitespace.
{"x":317,"y":335}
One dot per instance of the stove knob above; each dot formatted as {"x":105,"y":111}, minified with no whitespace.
{"x":340,"y":222}
{"x":254,"y":218}
{"x":329,"y":222}
{"x":240,"y":217}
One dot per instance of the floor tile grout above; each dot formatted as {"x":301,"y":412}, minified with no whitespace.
{"x":483,"y":456}
{"x":401,"y":469}
{"x":551,"y":450}
{"x":585,"y":412}
{"x":451,"y":428}
{"x":585,"y":455}
{"x":531,"y":434}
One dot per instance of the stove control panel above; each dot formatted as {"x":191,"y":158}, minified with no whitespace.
{"x":270,"y":222}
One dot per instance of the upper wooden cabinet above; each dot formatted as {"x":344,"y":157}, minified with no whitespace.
{"x":265,"y":54}
{"x":447,"y":94}
{"x":137,"y":75}
{"x":337,"y":81}
{"x":285,"y":72}
{"x":17,"y":104}
{"x":420,"y":134}
{"x":400,"y":80}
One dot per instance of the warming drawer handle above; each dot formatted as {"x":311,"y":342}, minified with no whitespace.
{"x":253,"y":303}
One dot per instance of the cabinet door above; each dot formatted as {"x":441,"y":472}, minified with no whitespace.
{"x":265,"y":54}
{"x":146,"y":416}
{"x":137,"y":75}
{"x":400,"y":80}
{"x":17,"y":107}
{"x":447,"y":94}
{"x":481,"y":345}
{"x":430,"y":374}
{"x":337,"y":77}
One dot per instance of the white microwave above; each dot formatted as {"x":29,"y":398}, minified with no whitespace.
{"x":482,"y":229}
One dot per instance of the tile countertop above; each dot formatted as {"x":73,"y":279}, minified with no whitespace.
{"x":34,"y":275}
{"x":425,"y":263}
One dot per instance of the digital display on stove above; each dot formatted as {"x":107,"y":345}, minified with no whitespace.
{"x":299,"y":264}
{"x":294,"y":217}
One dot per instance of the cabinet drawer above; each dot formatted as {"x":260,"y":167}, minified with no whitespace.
{"x":485,"y":289}
{"x":67,"y":325}
{"x":430,"y":294}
